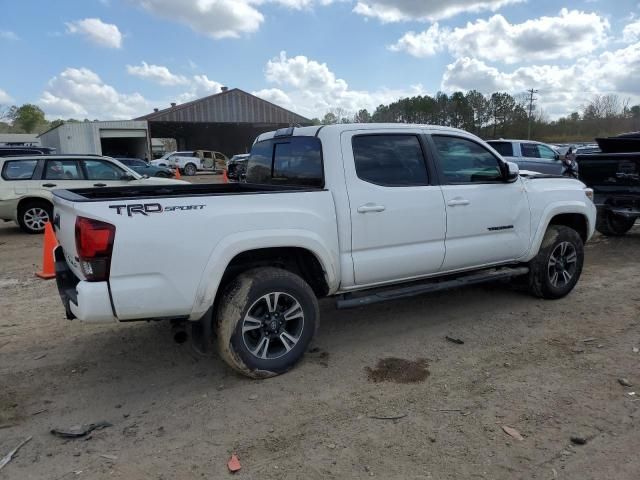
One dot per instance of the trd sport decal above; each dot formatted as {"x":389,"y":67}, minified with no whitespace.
{"x":148,"y":208}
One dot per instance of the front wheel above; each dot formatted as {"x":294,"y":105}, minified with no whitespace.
{"x":556,"y":269}
{"x":266,"y":320}
{"x":190,"y":170}
{"x":613,"y":225}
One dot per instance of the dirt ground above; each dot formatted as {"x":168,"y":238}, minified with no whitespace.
{"x":549,"y":370}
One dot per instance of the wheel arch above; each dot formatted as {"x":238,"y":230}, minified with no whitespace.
{"x":574,"y":215}
{"x":32,"y":198}
{"x":299,"y":252}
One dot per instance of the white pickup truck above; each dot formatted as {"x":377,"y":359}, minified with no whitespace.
{"x":364,"y":213}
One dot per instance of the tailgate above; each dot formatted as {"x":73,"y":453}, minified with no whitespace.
{"x":64,"y":225}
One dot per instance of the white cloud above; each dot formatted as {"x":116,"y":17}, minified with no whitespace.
{"x":215,"y":18}
{"x":571,"y":34}
{"x":8,"y":35}
{"x":631,"y":32}
{"x":5,"y":97}
{"x":425,"y":10}
{"x":562,"y":89}
{"x":100,"y":33}
{"x":203,"y":86}
{"x":221,"y":18}
{"x":308,"y":87}
{"x":81,"y":93}
{"x":276,"y":96}
{"x":156,"y":73}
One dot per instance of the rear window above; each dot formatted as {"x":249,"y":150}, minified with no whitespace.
{"x":503,"y":148}
{"x":287,"y":161}
{"x":19,"y":169}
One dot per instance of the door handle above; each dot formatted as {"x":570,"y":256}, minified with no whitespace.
{"x":458,"y":202}
{"x":99,"y":184}
{"x":371,"y":208}
{"x":49,"y":185}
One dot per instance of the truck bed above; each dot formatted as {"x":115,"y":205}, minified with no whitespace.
{"x":173,"y":191}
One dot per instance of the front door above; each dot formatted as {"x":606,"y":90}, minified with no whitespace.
{"x":488,"y":219}
{"x":397,"y":215}
{"x":102,"y":173}
{"x":540,"y":158}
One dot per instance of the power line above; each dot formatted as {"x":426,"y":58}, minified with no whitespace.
{"x":532,"y":99}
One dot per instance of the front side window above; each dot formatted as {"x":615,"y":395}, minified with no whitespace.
{"x":464,"y":161}
{"x":287,"y":161}
{"x":19,"y":169}
{"x":62,"y":170}
{"x":546,"y":152}
{"x":390,"y":160}
{"x":101,"y":170}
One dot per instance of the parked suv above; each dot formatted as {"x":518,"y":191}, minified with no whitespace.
{"x":26,"y":183}
{"x":530,"y":155}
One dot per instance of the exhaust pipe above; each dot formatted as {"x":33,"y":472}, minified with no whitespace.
{"x":179,"y":333}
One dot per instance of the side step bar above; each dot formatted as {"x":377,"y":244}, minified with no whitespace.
{"x":351,"y":300}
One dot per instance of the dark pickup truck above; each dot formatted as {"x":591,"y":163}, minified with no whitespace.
{"x":614,"y":176}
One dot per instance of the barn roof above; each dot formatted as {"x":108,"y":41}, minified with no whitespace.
{"x":230,"y":106}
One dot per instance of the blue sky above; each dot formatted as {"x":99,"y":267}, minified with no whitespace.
{"x":120,"y":58}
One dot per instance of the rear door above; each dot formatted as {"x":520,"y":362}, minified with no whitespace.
{"x":488,"y":219}
{"x":397,"y":214}
{"x":61,"y":174}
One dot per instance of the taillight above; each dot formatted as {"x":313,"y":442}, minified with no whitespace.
{"x":94,"y":244}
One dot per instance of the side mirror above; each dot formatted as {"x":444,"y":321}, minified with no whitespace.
{"x":127,"y":178}
{"x":557,"y":156}
{"x":513,"y":172}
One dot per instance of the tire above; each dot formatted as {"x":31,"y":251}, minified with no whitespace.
{"x":271,"y":344}
{"x":556,"y":269}
{"x":190,"y":169}
{"x":33,"y":215}
{"x":613,"y":225}
{"x":162,"y":175}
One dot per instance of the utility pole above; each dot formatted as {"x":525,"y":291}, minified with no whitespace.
{"x":532,"y":99}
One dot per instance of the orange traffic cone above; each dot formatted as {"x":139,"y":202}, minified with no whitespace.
{"x":48,"y":264}
{"x":177,"y":175}
{"x":225,"y":179}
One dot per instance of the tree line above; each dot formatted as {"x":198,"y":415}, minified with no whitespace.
{"x":501,"y":115}
{"x":28,"y":118}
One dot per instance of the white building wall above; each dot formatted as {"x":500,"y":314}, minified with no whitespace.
{"x":84,"y":138}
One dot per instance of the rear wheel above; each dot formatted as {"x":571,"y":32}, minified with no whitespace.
{"x":34,"y":215}
{"x":266,"y":319}
{"x":190,"y":169}
{"x":162,"y":175}
{"x":613,"y":225}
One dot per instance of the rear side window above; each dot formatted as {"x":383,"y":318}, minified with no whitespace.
{"x":530,"y":150}
{"x":287,"y":161}
{"x":390,"y":160}
{"x":503,"y":148}
{"x":19,"y":169}
{"x":62,"y":170}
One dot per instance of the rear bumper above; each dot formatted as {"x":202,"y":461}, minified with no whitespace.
{"x":9,"y":209}
{"x":86,"y":301}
